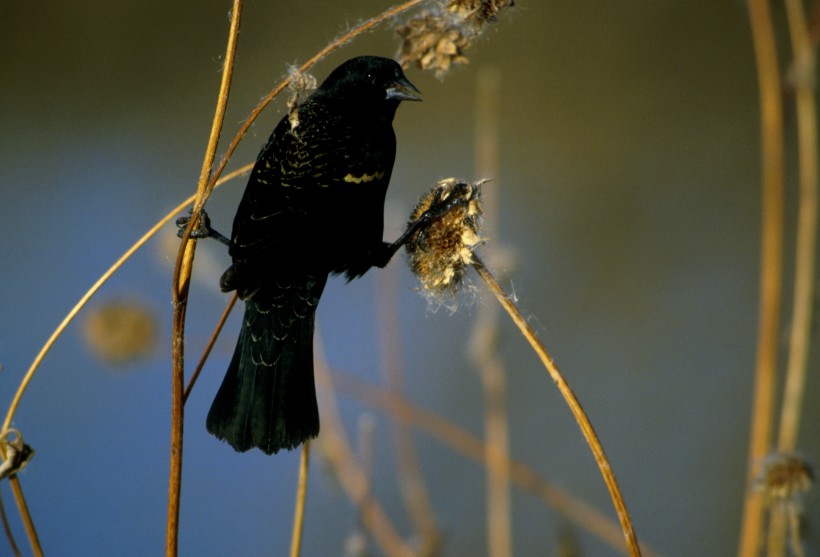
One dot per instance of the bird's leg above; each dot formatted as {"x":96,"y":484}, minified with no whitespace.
{"x":204,"y":229}
{"x":437,"y":209}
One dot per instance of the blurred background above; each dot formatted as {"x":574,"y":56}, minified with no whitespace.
{"x":629,"y":202}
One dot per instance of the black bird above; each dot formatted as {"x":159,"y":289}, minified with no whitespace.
{"x":314,"y":206}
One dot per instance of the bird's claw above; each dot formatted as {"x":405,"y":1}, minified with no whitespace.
{"x":203,"y":230}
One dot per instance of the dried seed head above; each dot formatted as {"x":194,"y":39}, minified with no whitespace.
{"x":480,"y":11}
{"x":784,"y":477}
{"x":441,"y":249}
{"x":118,"y":332}
{"x":434,"y":40}
{"x":17,"y":453}
{"x":437,"y":38}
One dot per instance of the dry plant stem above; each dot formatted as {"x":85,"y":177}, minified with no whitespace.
{"x":207,"y":351}
{"x":351,"y":475}
{"x":483,"y":344}
{"x":800,"y":330}
{"x":31,"y":532}
{"x":451,"y":435}
{"x":301,"y":498}
{"x":574,"y":405}
{"x":7,"y":530}
{"x":771,"y":265}
{"x":409,"y":475}
{"x":781,"y":518}
{"x":181,"y":282}
{"x":794,"y":531}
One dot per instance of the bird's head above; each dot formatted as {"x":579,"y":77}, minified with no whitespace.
{"x":371,"y":82}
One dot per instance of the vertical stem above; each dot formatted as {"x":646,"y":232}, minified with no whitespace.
{"x":409,"y":474}
{"x":771,"y":263}
{"x":804,"y":66}
{"x":784,"y":517}
{"x":17,"y":490}
{"x":301,"y":497}
{"x":182,"y":277}
{"x":7,"y":530}
{"x":483,"y":344}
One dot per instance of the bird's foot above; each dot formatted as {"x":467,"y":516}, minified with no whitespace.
{"x":204,"y":230}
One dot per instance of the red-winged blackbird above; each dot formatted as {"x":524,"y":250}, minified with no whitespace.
{"x":314,"y":206}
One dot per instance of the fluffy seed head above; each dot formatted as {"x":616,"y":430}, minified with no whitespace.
{"x":442,"y":248}
{"x":784,"y":477}
{"x":437,"y":38}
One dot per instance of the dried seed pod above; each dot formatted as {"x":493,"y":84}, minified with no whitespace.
{"x":434,"y":40}
{"x":784,"y":477}
{"x":120,"y":331}
{"x":437,"y":38}
{"x":443,"y":247}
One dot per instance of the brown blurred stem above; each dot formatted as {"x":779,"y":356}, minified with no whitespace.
{"x":771,"y":265}
{"x":7,"y":529}
{"x":800,"y":330}
{"x":484,"y":339}
{"x":574,"y":405}
{"x":31,"y":532}
{"x":409,"y":475}
{"x":301,"y":498}
{"x":182,"y":279}
{"x":782,"y":518}
{"x":351,"y":474}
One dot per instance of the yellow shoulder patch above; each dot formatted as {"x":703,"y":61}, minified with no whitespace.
{"x":351,"y":179}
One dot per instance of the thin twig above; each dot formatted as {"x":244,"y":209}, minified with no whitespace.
{"x":182,"y":278}
{"x":208,"y":347}
{"x":574,"y":405}
{"x":771,"y":266}
{"x":301,"y":498}
{"x":31,"y":532}
{"x":7,"y":529}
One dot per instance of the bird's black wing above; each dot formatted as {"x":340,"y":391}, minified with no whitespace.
{"x":315,"y":194}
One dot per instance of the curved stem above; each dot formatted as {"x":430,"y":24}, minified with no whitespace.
{"x":571,"y":400}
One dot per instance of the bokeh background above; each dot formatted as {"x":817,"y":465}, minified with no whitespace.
{"x":629,"y":188}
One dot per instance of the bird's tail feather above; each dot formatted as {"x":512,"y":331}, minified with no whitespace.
{"x":268,"y":397}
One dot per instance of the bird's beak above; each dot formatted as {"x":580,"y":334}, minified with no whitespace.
{"x":402,"y":90}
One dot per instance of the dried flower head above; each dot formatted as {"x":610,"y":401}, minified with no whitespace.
{"x":18,"y":454}
{"x":434,"y":40}
{"x":480,"y":11}
{"x":118,"y":332}
{"x":784,"y":477}
{"x":443,"y":246}
{"x":437,"y":38}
